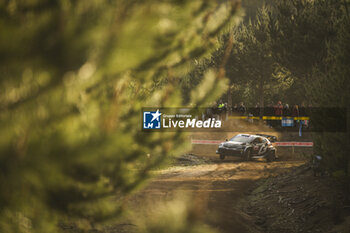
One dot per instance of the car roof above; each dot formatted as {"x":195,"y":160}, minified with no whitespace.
{"x":252,"y":136}
{"x":248,"y":135}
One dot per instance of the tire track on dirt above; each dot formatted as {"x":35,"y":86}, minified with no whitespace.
{"x":215,"y":190}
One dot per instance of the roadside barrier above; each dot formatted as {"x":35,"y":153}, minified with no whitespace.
{"x":217,"y":142}
{"x":281,"y":144}
{"x":294,"y":144}
{"x":303,"y":144}
{"x":269,"y":118}
{"x":206,"y":142}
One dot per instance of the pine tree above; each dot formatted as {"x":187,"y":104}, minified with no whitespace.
{"x":74,"y":77}
{"x":300,"y":41}
{"x":330,"y":89}
{"x":312,"y":42}
{"x":252,"y":66}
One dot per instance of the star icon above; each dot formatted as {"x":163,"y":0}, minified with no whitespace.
{"x":156,"y":115}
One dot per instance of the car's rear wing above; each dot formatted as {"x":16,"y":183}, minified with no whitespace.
{"x":270,"y":137}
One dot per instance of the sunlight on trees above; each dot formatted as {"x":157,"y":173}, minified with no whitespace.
{"x":74,"y":76}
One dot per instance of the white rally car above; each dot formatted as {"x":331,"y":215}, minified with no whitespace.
{"x":249,"y":146}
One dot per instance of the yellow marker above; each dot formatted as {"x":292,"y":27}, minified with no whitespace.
{"x":269,"y":118}
{"x":238,"y":117}
{"x":272,"y":118}
{"x":302,"y":118}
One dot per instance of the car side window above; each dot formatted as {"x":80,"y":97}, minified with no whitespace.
{"x":260,"y":140}
{"x":257,"y":140}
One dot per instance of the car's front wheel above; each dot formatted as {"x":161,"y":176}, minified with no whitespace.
{"x":247,"y":155}
{"x":222,"y":157}
{"x":271,"y":156}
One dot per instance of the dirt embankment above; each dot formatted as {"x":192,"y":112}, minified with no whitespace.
{"x":254,"y":196}
{"x":298,"y":202}
{"x":236,"y":196}
{"x":217,"y":186}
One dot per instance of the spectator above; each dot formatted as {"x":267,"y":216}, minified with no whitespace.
{"x":286,"y":110}
{"x":220,"y":109}
{"x":295,"y":113}
{"x":278,"y":112}
{"x":269,"y":111}
{"x":279,"y":109}
{"x":256,"y":110}
{"x":235,"y":108}
{"x":221,"y":106}
{"x":302,"y":110}
{"x":242,"y":109}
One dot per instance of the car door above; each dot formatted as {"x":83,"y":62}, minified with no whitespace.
{"x":256,"y":145}
{"x":263,"y":146}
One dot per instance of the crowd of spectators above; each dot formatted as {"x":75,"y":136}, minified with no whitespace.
{"x":278,"y":110}
{"x":271,"y":110}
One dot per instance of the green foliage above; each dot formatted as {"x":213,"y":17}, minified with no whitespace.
{"x":298,"y":51}
{"x":330,"y":88}
{"x":278,"y":49}
{"x":202,"y":94}
{"x":252,"y":66}
{"x":300,"y":36}
{"x":311,"y":40}
{"x":74,"y":76}
{"x":181,"y":215}
{"x":251,"y":7}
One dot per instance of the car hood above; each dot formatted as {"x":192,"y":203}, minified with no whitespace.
{"x":232,"y":144}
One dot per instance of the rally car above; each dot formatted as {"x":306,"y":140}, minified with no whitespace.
{"x":249,"y":146}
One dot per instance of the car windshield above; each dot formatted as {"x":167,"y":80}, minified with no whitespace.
{"x":240,"y":138}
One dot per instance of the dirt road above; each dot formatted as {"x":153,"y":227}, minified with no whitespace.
{"x":216,"y":188}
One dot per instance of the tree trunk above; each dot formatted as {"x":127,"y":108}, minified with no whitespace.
{"x":229,"y":100}
{"x":261,"y":97}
